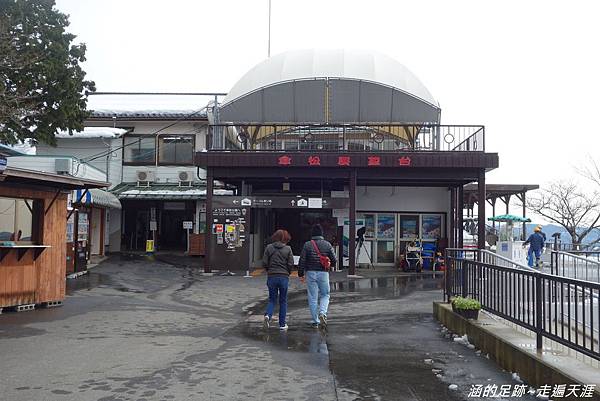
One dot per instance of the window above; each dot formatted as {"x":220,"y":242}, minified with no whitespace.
{"x":139,"y":149}
{"x":16,"y":220}
{"x":176,"y":149}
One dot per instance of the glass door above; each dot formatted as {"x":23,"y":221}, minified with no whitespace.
{"x":386,"y":238}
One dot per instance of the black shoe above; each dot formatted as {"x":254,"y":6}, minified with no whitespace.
{"x":314,"y":325}
{"x":323,"y":321}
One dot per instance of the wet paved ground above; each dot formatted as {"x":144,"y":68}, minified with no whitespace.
{"x":137,"y":329}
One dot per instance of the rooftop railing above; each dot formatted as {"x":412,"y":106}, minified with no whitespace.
{"x":346,"y":137}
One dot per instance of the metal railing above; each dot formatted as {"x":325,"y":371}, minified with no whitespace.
{"x":569,"y":264}
{"x":346,"y":137}
{"x":562,"y":309}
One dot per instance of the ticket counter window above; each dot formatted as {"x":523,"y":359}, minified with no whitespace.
{"x":16,"y":220}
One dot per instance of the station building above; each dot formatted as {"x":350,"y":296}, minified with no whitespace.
{"x":347,"y":139}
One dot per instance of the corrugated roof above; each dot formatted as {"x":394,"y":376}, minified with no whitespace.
{"x":97,"y":197}
{"x":164,"y":191}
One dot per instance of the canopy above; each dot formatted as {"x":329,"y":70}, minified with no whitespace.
{"x":329,"y":86}
{"x":97,"y":197}
{"x":510,"y":218}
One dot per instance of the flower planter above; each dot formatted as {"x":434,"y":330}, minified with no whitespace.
{"x":468,"y":313}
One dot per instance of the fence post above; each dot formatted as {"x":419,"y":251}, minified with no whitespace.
{"x":447,"y":273}
{"x":538,"y":311}
{"x":463,"y":278}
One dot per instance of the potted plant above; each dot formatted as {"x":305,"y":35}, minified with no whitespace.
{"x":466,"y":307}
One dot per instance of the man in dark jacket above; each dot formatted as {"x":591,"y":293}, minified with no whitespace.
{"x":536,"y":245}
{"x":317,"y":276}
{"x":278,"y":260}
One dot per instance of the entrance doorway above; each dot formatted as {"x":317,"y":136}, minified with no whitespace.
{"x":298,"y":222}
{"x":172,"y":234}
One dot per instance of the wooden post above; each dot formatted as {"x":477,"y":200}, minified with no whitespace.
{"x":481,"y":210}
{"x":209,"y":222}
{"x":352,"y":228}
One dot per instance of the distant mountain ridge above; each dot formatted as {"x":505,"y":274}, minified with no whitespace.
{"x":565,"y":238}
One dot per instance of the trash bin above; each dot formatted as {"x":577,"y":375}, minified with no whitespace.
{"x":150,"y":246}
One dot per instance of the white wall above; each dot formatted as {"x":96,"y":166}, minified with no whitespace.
{"x":163,"y":174}
{"x":403,"y":199}
{"x":87,"y":148}
{"x":113,"y":230}
{"x":47,"y":164}
{"x":96,"y":225}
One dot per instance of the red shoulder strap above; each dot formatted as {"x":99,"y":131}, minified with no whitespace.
{"x":316,"y":247}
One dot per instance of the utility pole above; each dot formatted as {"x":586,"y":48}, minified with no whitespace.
{"x":269,"y":42}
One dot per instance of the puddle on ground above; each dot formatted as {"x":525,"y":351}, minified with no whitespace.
{"x":302,"y":339}
{"x":87,"y":282}
{"x":394,"y":286}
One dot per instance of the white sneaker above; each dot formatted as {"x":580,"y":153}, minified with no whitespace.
{"x":283,"y":328}
{"x":266,"y":322}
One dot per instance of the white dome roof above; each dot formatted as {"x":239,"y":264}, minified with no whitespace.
{"x":340,"y":63}
{"x":329,"y":86}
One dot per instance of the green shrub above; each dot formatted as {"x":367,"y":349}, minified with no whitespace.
{"x":466,"y":303}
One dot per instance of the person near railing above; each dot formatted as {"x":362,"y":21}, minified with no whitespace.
{"x":536,"y":246}
{"x":542,"y":233}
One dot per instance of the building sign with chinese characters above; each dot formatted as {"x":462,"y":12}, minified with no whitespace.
{"x":351,"y":160}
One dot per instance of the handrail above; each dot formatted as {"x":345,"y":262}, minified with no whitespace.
{"x":493,"y":254}
{"x":587,"y":260}
{"x":504,"y":258}
{"x":562,"y":309}
{"x":567,"y":264}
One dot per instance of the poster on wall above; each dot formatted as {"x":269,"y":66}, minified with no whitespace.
{"x":385,"y":226}
{"x":432,"y":226}
{"x":409,"y":226}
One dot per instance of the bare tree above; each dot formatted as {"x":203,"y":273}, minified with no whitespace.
{"x":590,"y":170}
{"x":566,"y":204}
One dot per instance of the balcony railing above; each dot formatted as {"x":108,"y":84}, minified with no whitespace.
{"x":347,"y":138}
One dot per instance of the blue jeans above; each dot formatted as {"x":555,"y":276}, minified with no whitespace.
{"x":530,"y":254}
{"x":278,"y":285}
{"x":318,"y":287}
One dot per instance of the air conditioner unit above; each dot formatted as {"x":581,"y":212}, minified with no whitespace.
{"x":185,"y":177}
{"x":62,"y":166}
{"x":144,"y":176}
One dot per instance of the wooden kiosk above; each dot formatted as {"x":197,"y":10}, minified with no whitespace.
{"x":33,"y":220}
